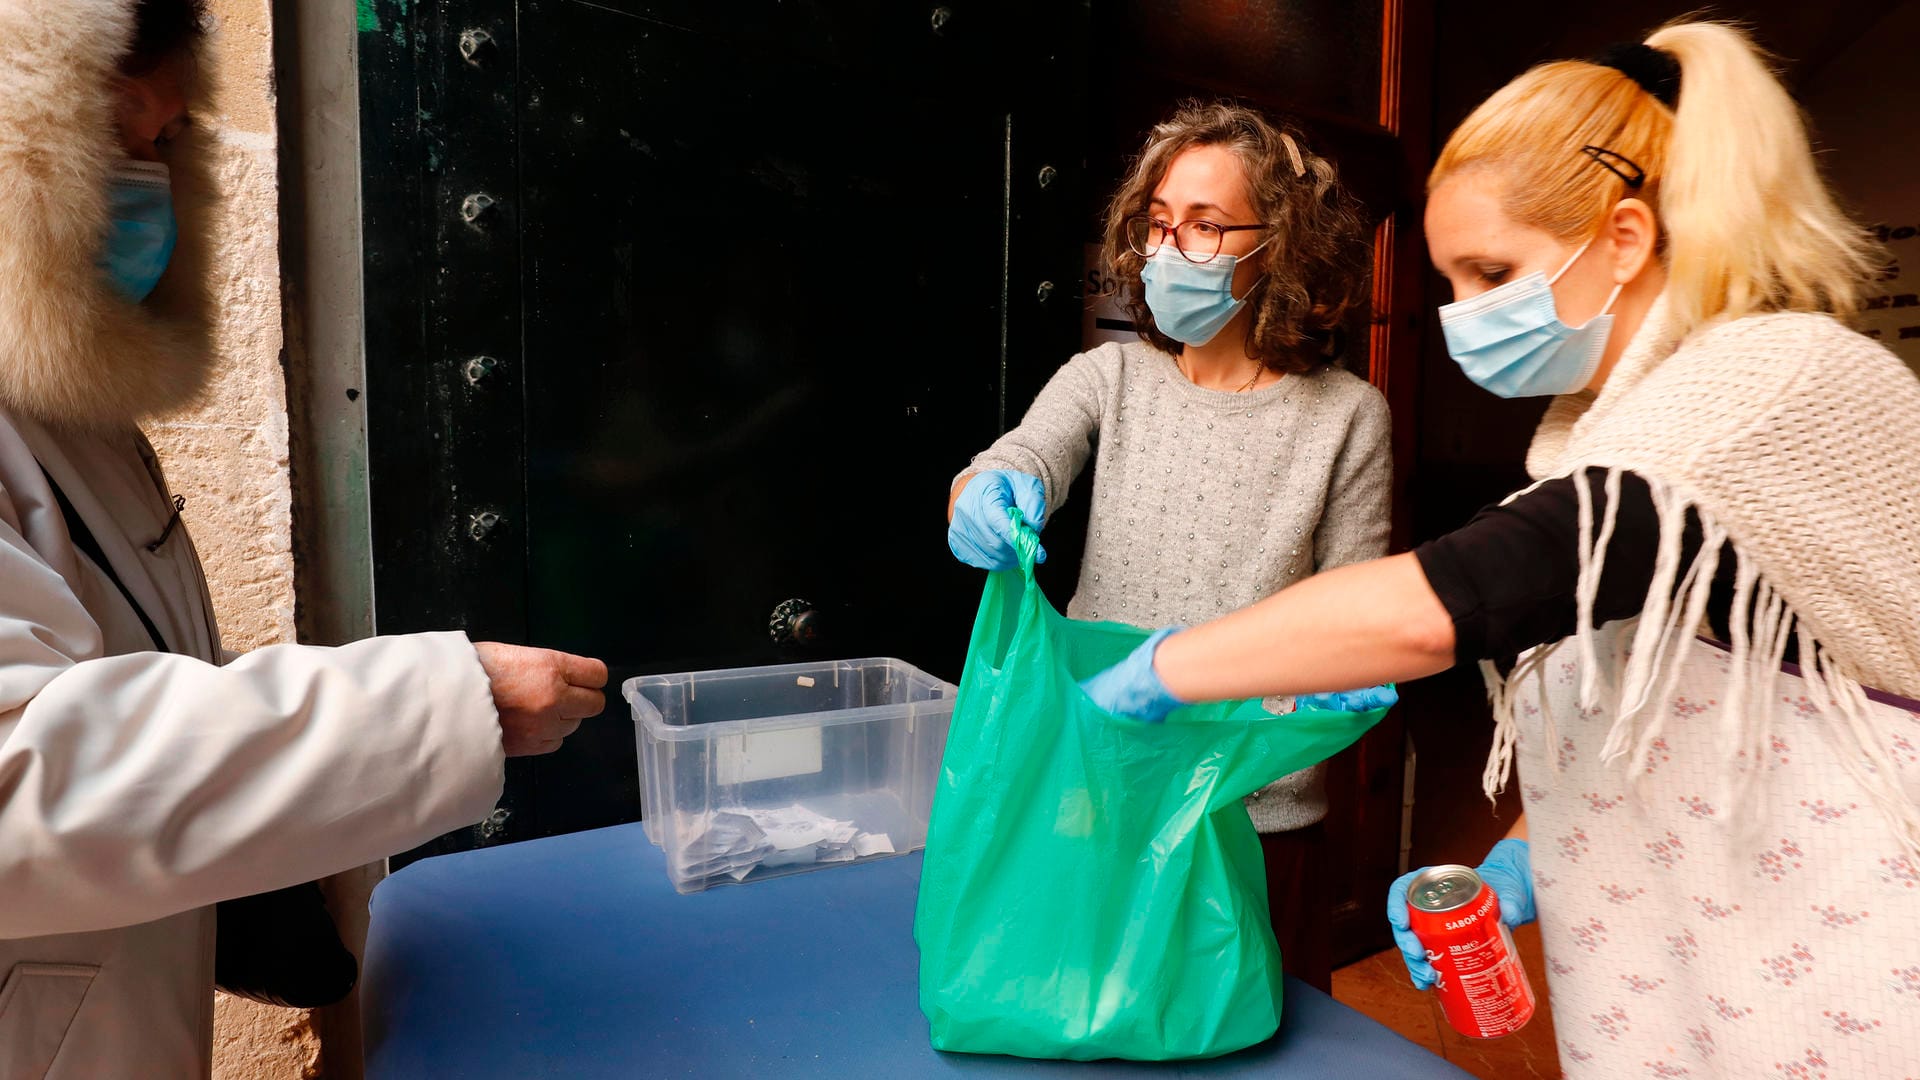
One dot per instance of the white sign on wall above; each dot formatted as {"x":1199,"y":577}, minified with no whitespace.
{"x":1894,"y":316}
{"x":1104,"y":318}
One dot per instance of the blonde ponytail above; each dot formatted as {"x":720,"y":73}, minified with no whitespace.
{"x":1747,"y":223}
{"x":1750,"y":224}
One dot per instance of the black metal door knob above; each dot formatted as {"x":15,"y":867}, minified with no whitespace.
{"x":794,"y":622}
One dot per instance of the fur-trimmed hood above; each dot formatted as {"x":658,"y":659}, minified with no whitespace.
{"x":73,"y":351}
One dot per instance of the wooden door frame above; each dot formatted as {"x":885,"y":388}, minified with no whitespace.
{"x":1399,"y":250}
{"x":1376,"y":790}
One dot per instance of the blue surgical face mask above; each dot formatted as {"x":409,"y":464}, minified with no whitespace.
{"x":1191,"y":302}
{"x":1510,"y":340}
{"x":142,"y":232}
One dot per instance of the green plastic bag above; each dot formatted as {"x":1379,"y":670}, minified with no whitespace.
{"x":1093,"y":887}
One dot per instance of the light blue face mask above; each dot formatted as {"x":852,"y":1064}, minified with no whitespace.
{"x":1510,"y":340}
{"x":141,"y":237}
{"x":1191,"y":302}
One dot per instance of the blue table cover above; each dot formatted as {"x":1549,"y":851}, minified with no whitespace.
{"x":573,"y":957}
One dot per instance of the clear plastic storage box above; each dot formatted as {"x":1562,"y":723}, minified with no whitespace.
{"x":751,"y":773}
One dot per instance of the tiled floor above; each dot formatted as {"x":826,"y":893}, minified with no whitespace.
{"x":1378,"y":987}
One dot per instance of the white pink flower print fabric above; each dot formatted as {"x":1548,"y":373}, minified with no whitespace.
{"x":1680,"y":945}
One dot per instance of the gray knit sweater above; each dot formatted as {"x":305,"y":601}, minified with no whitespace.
{"x":1206,"y":501}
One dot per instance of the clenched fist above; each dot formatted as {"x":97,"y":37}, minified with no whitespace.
{"x":541,"y":695}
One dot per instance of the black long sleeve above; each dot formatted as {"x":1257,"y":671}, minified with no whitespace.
{"x":1508,"y":577}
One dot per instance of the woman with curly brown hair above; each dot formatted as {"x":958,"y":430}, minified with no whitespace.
{"x":1233,"y":455}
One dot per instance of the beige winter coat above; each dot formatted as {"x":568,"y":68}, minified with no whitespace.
{"x":137,"y":788}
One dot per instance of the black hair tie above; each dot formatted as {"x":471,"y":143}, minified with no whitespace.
{"x":1656,"y":70}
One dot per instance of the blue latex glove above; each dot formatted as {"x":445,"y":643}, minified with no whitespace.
{"x":982,"y":531}
{"x":1508,"y":871}
{"x":1131,"y":688}
{"x":1367,"y":700}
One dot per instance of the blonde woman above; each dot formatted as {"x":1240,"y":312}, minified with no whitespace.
{"x":1232,"y":455}
{"x":1726,"y":878}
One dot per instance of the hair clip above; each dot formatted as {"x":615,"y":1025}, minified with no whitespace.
{"x":1293,"y":151}
{"x":1613,"y":160}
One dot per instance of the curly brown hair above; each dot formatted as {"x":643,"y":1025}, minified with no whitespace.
{"x":1315,"y":269}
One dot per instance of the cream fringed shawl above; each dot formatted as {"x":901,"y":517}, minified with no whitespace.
{"x":1797,"y":442}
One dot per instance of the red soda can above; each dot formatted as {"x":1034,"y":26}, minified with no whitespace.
{"x":1483,"y":989}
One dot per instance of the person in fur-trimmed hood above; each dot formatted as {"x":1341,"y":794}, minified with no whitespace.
{"x":1694,"y":623}
{"x":142,"y":780}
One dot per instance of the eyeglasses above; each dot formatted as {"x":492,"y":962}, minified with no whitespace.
{"x":1197,"y":240}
